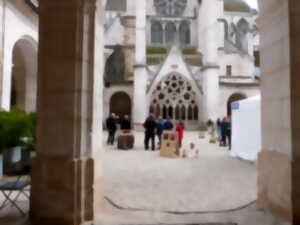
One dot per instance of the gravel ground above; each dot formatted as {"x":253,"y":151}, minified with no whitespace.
{"x":214,"y":181}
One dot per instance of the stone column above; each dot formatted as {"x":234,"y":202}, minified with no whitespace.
{"x":279,"y":161}
{"x":2,"y":39}
{"x":208,"y":46}
{"x":63,"y":178}
{"x":140,"y":106}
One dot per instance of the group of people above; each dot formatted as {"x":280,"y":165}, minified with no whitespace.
{"x":155,"y":127}
{"x":112,"y":124}
{"x":224,"y":131}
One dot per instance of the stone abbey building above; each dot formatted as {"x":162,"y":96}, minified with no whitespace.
{"x":181,"y":64}
{"x":195,"y":60}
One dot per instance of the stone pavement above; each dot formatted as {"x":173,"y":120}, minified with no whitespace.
{"x":148,"y":189}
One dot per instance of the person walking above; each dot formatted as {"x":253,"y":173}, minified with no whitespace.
{"x":159,"y":130}
{"x":228,"y":132}
{"x":224,"y":129}
{"x":125,"y":123}
{"x":180,"y":131}
{"x":111,"y":127}
{"x":218,"y":126}
{"x":150,"y":126}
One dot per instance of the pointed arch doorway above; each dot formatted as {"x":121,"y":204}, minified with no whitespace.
{"x":120,"y":104}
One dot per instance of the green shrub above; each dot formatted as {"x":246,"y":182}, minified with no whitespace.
{"x":156,"y":50}
{"x":16,"y":125}
{"x":154,"y":60}
{"x":194,"y":61}
{"x":190,"y":51}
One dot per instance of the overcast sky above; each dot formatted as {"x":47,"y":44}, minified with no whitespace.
{"x":252,"y":3}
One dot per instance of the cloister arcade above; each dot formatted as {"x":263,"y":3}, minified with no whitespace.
{"x":69,"y":110}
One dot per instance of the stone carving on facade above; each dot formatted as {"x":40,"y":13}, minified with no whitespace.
{"x":115,"y":67}
{"x":239,"y":34}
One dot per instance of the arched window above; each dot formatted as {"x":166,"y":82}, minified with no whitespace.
{"x":156,"y":33}
{"x":176,"y":98}
{"x":177,"y":113}
{"x":152,"y":109}
{"x":165,"y":113}
{"x":190,"y":113}
{"x":196,"y":111}
{"x":157,"y":111}
{"x":24,"y":74}
{"x":183,"y":113}
{"x":185,"y":33}
{"x":170,"y":112}
{"x":170,"y":34}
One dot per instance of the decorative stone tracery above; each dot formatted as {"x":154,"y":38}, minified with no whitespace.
{"x":175,"y":98}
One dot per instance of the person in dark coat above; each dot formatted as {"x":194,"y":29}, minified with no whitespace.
{"x":125,"y":123}
{"x":159,"y":129}
{"x":111,"y":127}
{"x":218,"y":125}
{"x":150,"y":126}
{"x":228,"y":131}
{"x":224,"y":130}
{"x":168,"y":125}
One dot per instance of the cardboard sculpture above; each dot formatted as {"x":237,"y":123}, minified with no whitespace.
{"x":125,"y":141}
{"x":170,"y":145}
{"x":192,"y":152}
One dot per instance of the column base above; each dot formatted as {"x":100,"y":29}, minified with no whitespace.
{"x":275,"y":184}
{"x":62,"y":191}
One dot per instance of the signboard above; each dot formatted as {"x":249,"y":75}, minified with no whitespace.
{"x":235,"y":106}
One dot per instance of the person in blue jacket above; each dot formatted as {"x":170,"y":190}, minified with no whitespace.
{"x":168,"y":125}
{"x":224,"y":131}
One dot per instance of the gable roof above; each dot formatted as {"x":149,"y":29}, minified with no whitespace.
{"x":174,"y":63}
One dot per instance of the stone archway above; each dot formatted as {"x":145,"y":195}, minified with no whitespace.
{"x":24,"y":75}
{"x":120,"y":104}
{"x":233,"y":98}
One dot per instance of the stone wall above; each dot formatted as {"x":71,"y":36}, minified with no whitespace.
{"x":278,"y":175}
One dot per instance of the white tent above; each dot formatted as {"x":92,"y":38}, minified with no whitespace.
{"x":246,"y":128}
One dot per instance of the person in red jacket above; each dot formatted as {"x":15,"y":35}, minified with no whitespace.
{"x":180,"y":131}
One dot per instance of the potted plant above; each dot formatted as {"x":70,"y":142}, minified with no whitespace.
{"x":202,"y":131}
{"x":29,"y":141}
{"x":1,"y":164}
{"x":14,"y":127}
